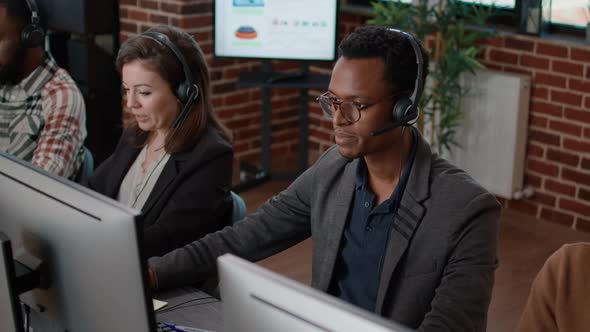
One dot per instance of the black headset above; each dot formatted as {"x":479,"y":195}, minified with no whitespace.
{"x":406,"y":109}
{"x":188,"y":90}
{"x":32,"y":34}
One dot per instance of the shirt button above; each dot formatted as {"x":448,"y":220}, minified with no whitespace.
{"x":367,"y":204}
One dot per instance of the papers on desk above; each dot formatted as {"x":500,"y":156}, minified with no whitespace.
{"x":159,"y":304}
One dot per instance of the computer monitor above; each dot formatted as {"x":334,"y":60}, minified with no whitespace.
{"x":277,"y":29}
{"x":96,"y":277}
{"x":256,"y":299}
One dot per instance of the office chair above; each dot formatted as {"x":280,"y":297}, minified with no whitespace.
{"x":87,"y":168}
{"x":239,"y":207}
{"x":211,"y":285}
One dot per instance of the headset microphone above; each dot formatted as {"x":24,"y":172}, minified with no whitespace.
{"x":401,"y":122}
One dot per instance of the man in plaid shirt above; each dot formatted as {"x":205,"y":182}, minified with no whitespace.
{"x":42,"y":112}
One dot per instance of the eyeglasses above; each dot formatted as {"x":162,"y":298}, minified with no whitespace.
{"x":350,"y":110}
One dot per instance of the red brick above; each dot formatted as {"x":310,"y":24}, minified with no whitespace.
{"x":546,"y":108}
{"x":566,"y":98}
{"x":148,"y":4}
{"x":579,"y":85}
{"x":580,"y":54}
{"x":195,"y":21}
{"x":543,"y":137}
{"x":553,"y":50}
{"x":519,"y":44}
{"x":567,"y":67}
{"x":586,"y":163}
{"x":534,"y":61}
{"x":532,"y":180}
{"x":128,"y":2}
{"x":566,"y":127}
{"x":574,"y":206}
{"x":587,"y":133}
{"x":576,"y":176}
{"x":540,"y":92}
{"x":538,"y":166}
{"x":128,"y":27}
{"x":535,"y":150}
{"x":195,"y":8}
{"x":548,"y":79}
{"x":170,"y":8}
{"x":563,"y":157}
{"x":583,"y":116}
{"x":524,"y":207}
{"x":537,"y":121}
{"x":543,"y":198}
{"x":246,"y":133}
{"x":137,"y":15}
{"x":224,"y":87}
{"x":571,"y":144}
{"x":587,"y":101}
{"x":557,"y":217}
{"x":560,"y":188}
{"x":162,"y":19}
{"x":504,"y":57}
{"x":584,"y":194}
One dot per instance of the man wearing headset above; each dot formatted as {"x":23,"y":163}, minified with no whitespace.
{"x":42,"y":112}
{"x":396,"y":229}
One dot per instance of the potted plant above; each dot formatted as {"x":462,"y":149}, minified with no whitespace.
{"x":454,"y":28}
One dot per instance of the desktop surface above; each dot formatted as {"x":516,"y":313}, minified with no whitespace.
{"x":189,"y":306}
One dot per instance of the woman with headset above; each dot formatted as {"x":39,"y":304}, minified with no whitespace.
{"x":174,"y":159}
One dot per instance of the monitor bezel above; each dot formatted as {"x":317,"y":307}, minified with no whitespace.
{"x":138,"y":222}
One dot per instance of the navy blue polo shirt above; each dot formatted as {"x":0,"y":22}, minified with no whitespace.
{"x":362,"y":249}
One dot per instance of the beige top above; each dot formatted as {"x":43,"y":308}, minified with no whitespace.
{"x":137,"y":184}
{"x":560,"y":295}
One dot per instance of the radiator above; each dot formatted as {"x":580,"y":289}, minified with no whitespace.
{"x":493,"y":135}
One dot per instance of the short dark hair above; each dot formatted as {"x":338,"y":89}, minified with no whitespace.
{"x":395,"y":50}
{"x":19,"y":11}
{"x":160,"y":58}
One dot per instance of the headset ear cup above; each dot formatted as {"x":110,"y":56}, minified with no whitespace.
{"x":401,"y":108}
{"x":32,"y":35}
{"x":185,"y":92}
{"x":182,"y":92}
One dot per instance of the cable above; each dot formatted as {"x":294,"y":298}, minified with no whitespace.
{"x":174,"y":307}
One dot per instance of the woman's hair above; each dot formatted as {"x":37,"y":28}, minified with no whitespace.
{"x":159,"y":58}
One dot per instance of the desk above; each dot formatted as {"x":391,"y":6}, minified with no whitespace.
{"x":188,"y":306}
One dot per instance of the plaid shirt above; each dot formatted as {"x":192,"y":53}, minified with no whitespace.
{"x":43,"y":120}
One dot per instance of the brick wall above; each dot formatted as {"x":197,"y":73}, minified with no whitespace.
{"x":558,"y":147}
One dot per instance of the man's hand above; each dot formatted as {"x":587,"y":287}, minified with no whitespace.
{"x":152,"y":276}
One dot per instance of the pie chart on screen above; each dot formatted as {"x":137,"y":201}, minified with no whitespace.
{"x":246,"y":32}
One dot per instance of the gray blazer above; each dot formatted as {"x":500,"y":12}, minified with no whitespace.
{"x":439,"y":266}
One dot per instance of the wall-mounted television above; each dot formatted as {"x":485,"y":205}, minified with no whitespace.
{"x":276,"y":29}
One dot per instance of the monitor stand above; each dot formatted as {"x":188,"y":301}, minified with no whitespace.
{"x":15,"y":279}
{"x":266,"y":79}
